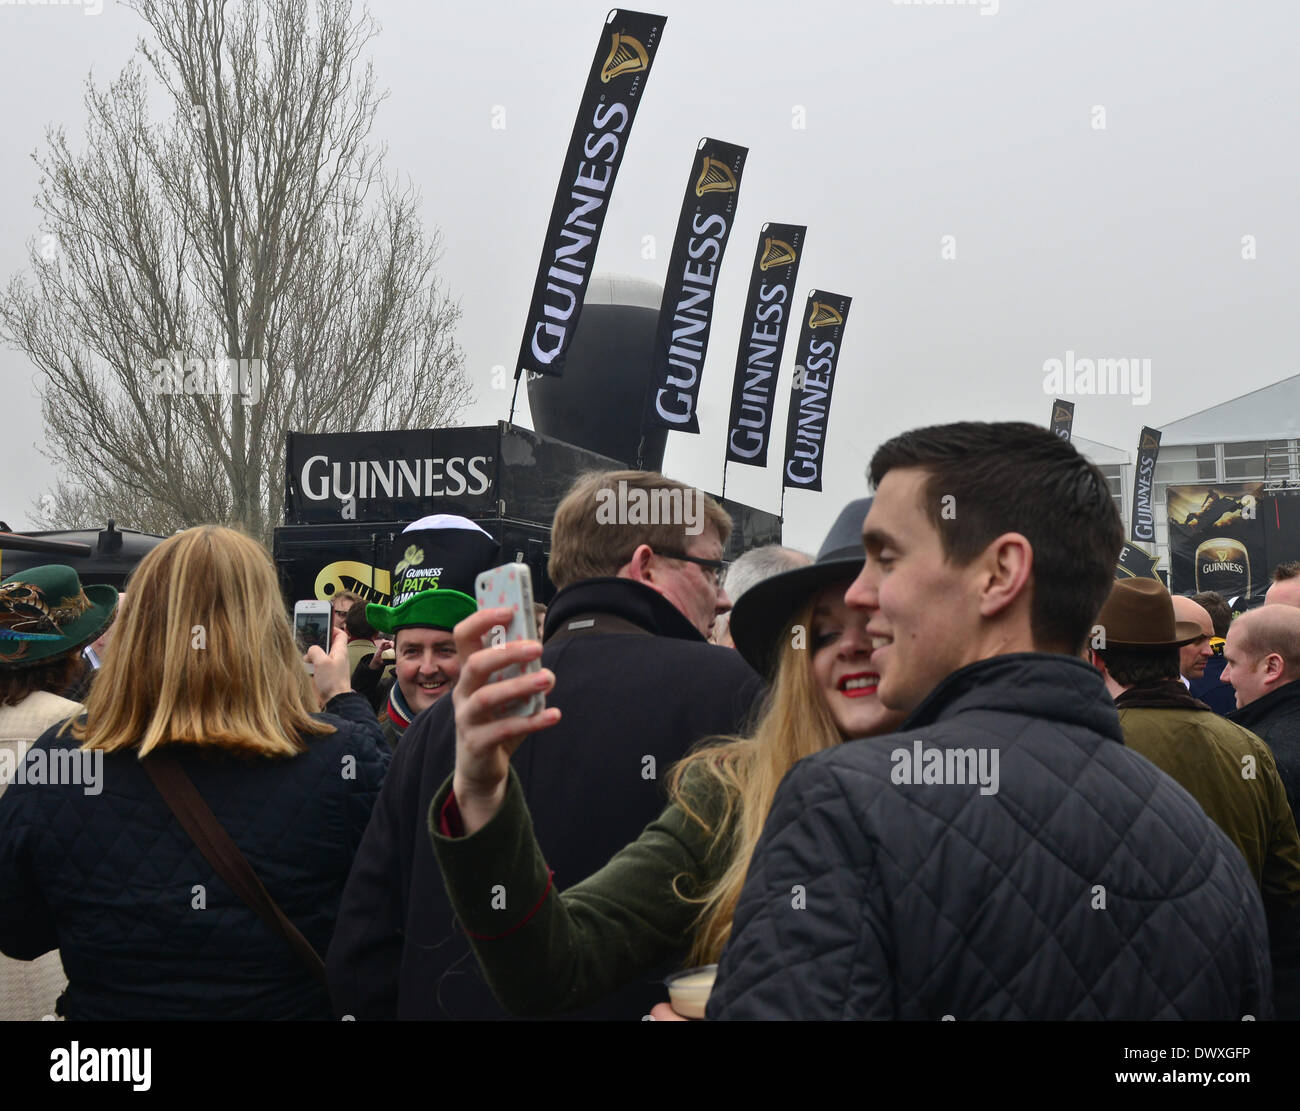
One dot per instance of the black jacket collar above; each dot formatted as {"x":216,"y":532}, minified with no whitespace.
{"x":1035,"y":684}
{"x":624,"y":598}
{"x":1281,"y":703}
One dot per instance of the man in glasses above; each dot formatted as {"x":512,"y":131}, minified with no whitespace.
{"x":637,"y":559}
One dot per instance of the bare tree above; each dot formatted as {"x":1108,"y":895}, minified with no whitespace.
{"x":242,"y":270}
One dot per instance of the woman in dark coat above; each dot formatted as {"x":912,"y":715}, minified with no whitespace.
{"x":94,"y":862}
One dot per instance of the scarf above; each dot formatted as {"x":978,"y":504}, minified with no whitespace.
{"x":1160,"y":694}
{"x":399,"y":713}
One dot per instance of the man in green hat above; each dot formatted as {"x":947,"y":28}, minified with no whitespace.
{"x":432,"y":592}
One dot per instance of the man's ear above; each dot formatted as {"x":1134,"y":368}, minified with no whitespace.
{"x":637,"y":568}
{"x":1006,"y":567}
{"x":1094,"y":657}
{"x":1273,"y":667}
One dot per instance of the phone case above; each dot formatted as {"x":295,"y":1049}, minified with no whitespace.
{"x":512,"y":585}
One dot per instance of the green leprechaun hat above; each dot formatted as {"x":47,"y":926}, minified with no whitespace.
{"x":46,"y":612}
{"x":433,"y":582}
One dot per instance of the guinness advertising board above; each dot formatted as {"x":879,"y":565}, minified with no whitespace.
{"x":610,"y":99}
{"x":686,"y":314}
{"x":341,"y":477}
{"x":820,"y":339}
{"x":768,"y":311}
{"x":1218,"y":541}
{"x":1144,"y":484}
{"x":1062,"y":418}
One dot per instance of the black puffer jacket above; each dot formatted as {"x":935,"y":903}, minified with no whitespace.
{"x":588,"y":782}
{"x":874,"y":898}
{"x":146,"y":928}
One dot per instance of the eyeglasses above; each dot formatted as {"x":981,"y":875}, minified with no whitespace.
{"x":712,"y":567}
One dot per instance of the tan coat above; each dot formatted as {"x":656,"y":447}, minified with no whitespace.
{"x":30,"y":989}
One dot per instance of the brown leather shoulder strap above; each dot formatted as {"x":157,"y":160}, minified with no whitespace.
{"x":197,"y":819}
{"x":586,"y":624}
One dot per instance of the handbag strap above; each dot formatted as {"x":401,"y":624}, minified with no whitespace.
{"x":197,"y":819}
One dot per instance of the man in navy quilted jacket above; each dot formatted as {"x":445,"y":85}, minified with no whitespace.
{"x":1003,"y":856}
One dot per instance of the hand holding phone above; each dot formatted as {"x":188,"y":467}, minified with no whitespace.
{"x":511,"y":586}
{"x":312,"y":622}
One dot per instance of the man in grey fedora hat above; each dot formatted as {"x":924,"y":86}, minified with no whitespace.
{"x":1224,"y":767}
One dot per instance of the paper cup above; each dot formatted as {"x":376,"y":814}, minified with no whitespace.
{"x":688,"y":991}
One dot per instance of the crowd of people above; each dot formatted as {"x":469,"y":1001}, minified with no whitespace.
{"x":951,"y":767}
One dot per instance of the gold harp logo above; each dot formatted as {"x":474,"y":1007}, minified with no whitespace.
{"x":822,"y":315}
{"x":1061,"y":415}
{"x":715,"y":178}
{"x":1150,"y":443}
{"x":626,"y":55}
{"x":776,"y":252}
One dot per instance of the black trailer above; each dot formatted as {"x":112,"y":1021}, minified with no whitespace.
{"x":349,"y":495}
{"x":107,"y":555}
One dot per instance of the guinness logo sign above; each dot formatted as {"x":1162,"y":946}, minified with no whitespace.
{"x":1149,"y":443}
{"x":626,"y":55}
{"x":1061,"y":414}
{"x":776,"y":252}
{"x":822,"y":315}
{"x":715,"y":178}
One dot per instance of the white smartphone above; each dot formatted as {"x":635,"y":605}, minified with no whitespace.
{"x":312,"y":624}
{"x":511,"y":585}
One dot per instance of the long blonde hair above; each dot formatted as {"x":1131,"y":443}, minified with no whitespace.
{"x":795,"y":722}
{"x":203,"y":655}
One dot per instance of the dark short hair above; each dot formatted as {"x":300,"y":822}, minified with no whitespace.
{"x":1216,"y":605}
{"x":1284,"y":571}
{"x":356,"y":624}
{"x":55,"y":676}
{"x":1017,"y":477}
{"x":1131,"y":666}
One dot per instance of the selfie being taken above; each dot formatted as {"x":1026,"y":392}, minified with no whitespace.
{"x":554,"y":514}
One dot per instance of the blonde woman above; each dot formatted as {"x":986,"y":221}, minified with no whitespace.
{"x":672,"y":892}
{"x":94,"y":862}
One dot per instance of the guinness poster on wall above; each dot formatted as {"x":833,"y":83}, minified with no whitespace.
{"x":1217,"y":541}
{"x":609,"y":103}
{"x":762,"y":339}
{"x":686,"y":313}
{"x":825,"y":317}
{"x":1062,"y":418}
{"x":1144,"y":481}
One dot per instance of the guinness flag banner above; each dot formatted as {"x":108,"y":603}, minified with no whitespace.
{"x":824,"y":319}
{"x":687,"y":310}
{"x":1144,"y":481}
{"x":609,"y":103}
{"x":762,"y":339}
{"x":1217,"y":541}
{"x":1136,"y":563}
{"x":1062,"y":418}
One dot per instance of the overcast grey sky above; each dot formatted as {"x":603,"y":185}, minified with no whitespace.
{"x":922,"y":121}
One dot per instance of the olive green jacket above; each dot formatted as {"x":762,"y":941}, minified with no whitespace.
{"x":542,"y":951}
{"x":1232,"y":774}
